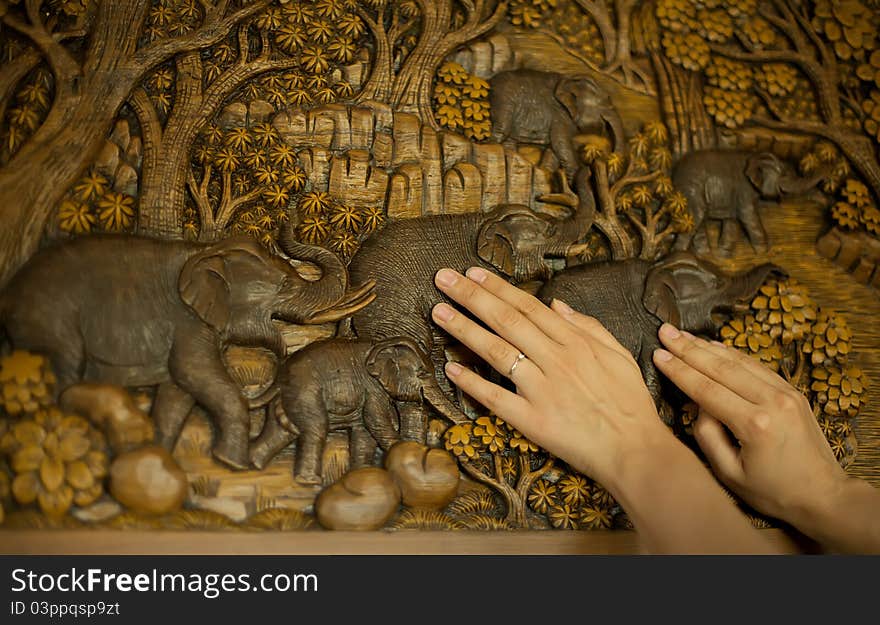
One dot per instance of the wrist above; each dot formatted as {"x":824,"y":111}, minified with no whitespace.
{"x":818,"y":517}
{"x":643,"y":460}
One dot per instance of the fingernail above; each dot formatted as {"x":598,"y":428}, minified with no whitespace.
{"x":662,"y":355}
{"x":687,"y":334}
{"x":477,"y":274}
{"x":446,"y":277}
{"x":669,"y":331}
{"x":444,"y":312}
{"x":562,"y":307}
{"x":453,"y":369}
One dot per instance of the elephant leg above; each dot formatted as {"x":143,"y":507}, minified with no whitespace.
{"x":380,"y":419}
{"x":196,"y":366}
{"x":560,"y":140}
{"x":727,"y":241}
{"x":701,"y":240}
{"x":272,"y":440}
{"x":413,"y":421}
{"x":310,"y":447}
{"x":170,"y":410}
{"x":362,"y":447}
{"x":751,"y":222}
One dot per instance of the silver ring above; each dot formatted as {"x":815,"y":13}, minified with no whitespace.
{"x":516,"y":362}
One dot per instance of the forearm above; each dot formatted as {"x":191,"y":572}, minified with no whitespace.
{"x":848,"y":521}
{"x":677,"y":506}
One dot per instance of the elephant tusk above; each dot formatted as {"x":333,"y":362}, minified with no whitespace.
{"x":578,"y":249}
{"x":337,"y":313}
{"x":357,"y":294}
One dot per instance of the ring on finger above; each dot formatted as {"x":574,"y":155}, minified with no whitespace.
{"x":520,"y":357}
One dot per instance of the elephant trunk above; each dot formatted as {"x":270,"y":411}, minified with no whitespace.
{"x":615,"y":123}
{"x":435,"y":396}
{"x":323,"y":300}
{"x":745,"y":285}
{"x":795,"y":185}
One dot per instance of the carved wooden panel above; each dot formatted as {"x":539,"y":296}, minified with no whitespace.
{"x":221,"y":220}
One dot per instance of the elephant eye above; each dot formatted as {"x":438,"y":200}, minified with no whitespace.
{"x":691,"y":284}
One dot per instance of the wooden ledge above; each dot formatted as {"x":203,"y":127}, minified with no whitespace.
{"x":405,"y":542}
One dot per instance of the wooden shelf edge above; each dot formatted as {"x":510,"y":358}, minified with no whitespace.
{"x":414,"y":542}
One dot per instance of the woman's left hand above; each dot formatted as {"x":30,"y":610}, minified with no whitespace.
{"x":580,"y":394}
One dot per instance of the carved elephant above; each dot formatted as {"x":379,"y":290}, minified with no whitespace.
{"x":726,"y":185}
{"x":632,"y":298}
{"x":137,"y":311}
{"x":531,"y":106}
{"x":404,"y":256}
{"x":341,"y":384}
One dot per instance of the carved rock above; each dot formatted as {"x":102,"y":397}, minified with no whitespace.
{"x":148,"y":481}
{"x":112,"y":409}
{"x":121,"y":134}
{"x":126,"y":180}
{"x":428,"y":478}
{"x":233,"y":116}
{"x":259,"y":111}
{"x":364,"y":499}
{"x":108,"y":159}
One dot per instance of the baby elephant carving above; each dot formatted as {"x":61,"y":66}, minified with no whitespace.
{"x":365,"y":388}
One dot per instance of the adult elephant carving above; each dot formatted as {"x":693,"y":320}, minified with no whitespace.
{"x":137,"y":311}
{"x":531,"y":106}
{"x":350,"y":385}
{"x":726,"y":185}
{"x":404,"y":256}
{"x":632,"y":298}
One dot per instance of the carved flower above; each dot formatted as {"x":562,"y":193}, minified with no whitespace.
{"x":350,"y":25}
{"x":319,"y":31}
{"x":75,"y":217}
{"x":459,"y":439}
{"x":445,"y":93}
{"x":373,"y":218}
{"x":116,"y":211}
{"x":594,"y":518}
{"x":343,"y":89}
{"x":315,"y":203}
{"x":227,"y":160}
{"x":58,"y":460}
{"x":291,"y":37}
{"x":574,"y":489}
{"x":266,"y":175}
{"x":190,"y":230}
{"x":520,"y":443}
{"x":314,"y":59}
{"x":759,"y":32}
{"x":270,"y":19}
{"x":91,"y":186}
{"x":563,"y":517}
{"x":748,"y":335}
{"x":838,"y":446}
{"x":325,"y":95}
{"x":542,"y":496}
{"x":313,"y":229}
{"x":283,"y":155}
{"x":294,"y":178}
{"x":27,"y":381}
{"x":238,"y":139}
{"x":346,"y":217}
{"x":475,"y":88}
{"x":830,"y":340}
{"x":838,"y":390}
{"x":342,"y":49}
{"x":784,"y":310}
{"x":453,"y":73}
{"x":276,"y":195}
{"x":344,"y":243}
{"x":449,"y":116}
{"x":492,"y":433}
{"x":602,"y":499}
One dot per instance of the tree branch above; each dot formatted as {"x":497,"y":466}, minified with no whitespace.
{"x":64,"y":66}
{"x":213,"y":30}
{"x":628,"y":181}
{"x":598,"y":10}
{"x":199,"y":193}
{"x":12,"y":72}
{"x":243,"y":44}
{"x":473,"y":28}
{"x":148,"y":118}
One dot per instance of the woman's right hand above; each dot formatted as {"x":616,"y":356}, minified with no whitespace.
{"x":780,"y":462}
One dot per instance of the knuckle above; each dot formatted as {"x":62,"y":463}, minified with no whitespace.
{"x":508,"y":317}
{"x":492,"y":397}
{"x":760,"y":421}
{"x":499,"y":352}
{"x":530,"y":305}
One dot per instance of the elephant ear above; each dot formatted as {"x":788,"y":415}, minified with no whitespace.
{"x":761,"y":170}
{"x":659,"y":297}
{"x":204,"y":287}
{"x":382,"y":360}
{"x":495,"y":243}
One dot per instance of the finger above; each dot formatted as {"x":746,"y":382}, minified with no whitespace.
{"x":760,"y":371}
{"x":500,"y":354}
{"x":506,"y":320}
{"x":715,"y":442}
{"x":720,"y":401}
{"x":550,"y":322}
{"x":590,"y":327}
{"x":507,"y":405}
{"x":716,"y":365}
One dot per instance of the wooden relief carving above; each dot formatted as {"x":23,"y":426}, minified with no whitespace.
{"x":221,"y":220}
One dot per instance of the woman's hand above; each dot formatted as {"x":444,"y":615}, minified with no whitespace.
{"x":580,"y":394}
{"x":780,"y":463}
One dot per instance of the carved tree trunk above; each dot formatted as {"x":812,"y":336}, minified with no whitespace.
{"x":379,"y":83}
{"x":87,"y":100}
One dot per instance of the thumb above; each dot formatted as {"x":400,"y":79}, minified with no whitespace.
{"x":715,"y":441}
